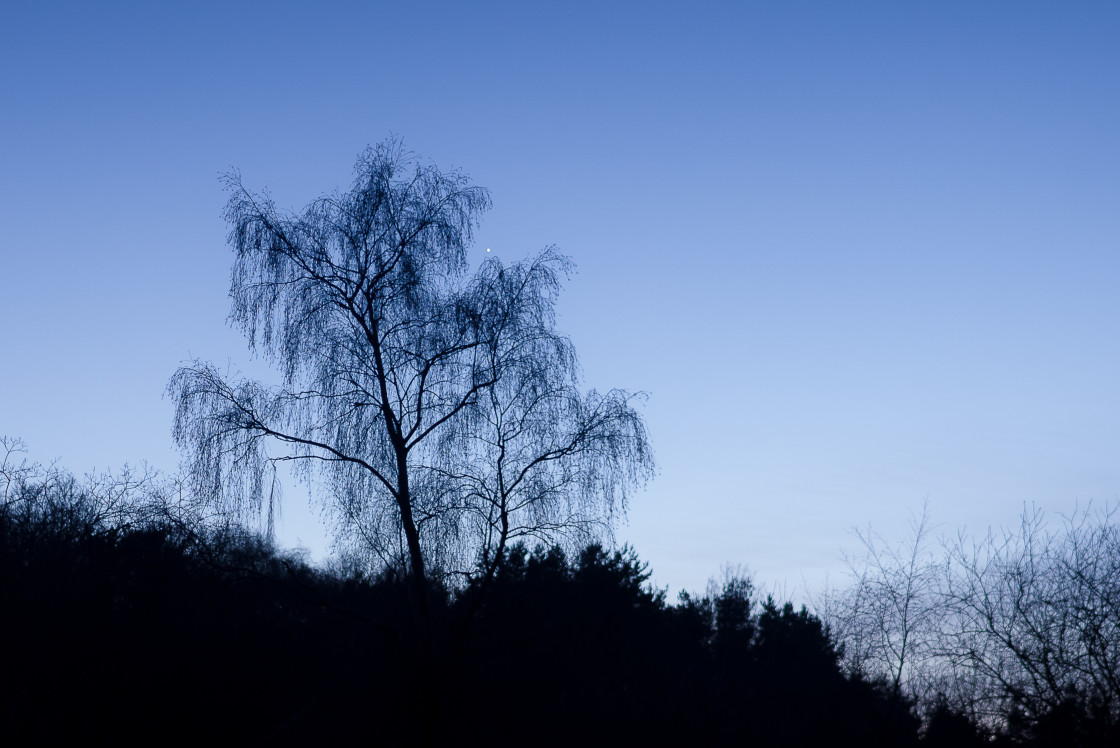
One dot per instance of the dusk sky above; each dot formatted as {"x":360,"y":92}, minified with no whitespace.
{"x":860,"y":255}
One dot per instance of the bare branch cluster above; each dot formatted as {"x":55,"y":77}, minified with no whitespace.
{"x":1019,"y":621}
{"x":886,"y":618}
{"x":46,"y":498}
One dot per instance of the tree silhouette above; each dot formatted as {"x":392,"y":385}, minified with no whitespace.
{"x":440,"y":414}
{"x":887,"y":617}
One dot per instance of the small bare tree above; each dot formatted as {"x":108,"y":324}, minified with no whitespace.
{"x":885,"y":619}
{"x":1035,"y":615}
{"x":1021,"y":620}
{"x":15,"y":470}
{"x":439,"y":414}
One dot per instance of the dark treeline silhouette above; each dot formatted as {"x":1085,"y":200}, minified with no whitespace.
{"x":127,"y":618}
{"x":130,"y":618}
{"x":583,"y":646}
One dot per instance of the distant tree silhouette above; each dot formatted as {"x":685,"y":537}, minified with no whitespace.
{"x":1075,"y":720}
{"x":441,"y":413}
{"x":1034,"y":616}
{"x":949,"y":728}
{"x":1016,"y":633}
{"x":887,"y":617}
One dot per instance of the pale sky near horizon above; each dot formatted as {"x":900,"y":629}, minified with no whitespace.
{"x":860,"y":255}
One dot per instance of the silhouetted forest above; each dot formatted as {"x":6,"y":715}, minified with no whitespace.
{"x":132,"y":616}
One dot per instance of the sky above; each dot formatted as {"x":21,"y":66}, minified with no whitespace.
{"x":861,"y":255}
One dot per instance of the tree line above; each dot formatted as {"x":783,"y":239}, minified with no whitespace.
{"x":129,"y":617}
{"x":440,"y":421}
{"x":136,"y":614}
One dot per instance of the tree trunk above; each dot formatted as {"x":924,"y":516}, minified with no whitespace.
{"x":418,"y":576}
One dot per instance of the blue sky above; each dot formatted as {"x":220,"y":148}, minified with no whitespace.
{"x":859,"y":254}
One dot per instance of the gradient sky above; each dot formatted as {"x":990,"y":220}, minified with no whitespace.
{"x":860,"y":255}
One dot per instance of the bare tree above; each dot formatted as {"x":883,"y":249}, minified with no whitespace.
{"x":1090,"y":565}
{"x":15,"y":470}
{"x":439,"y":414}
{"x":1023,"y":619}
{"x":885,"y":618}
{"x":1035,"y":616}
